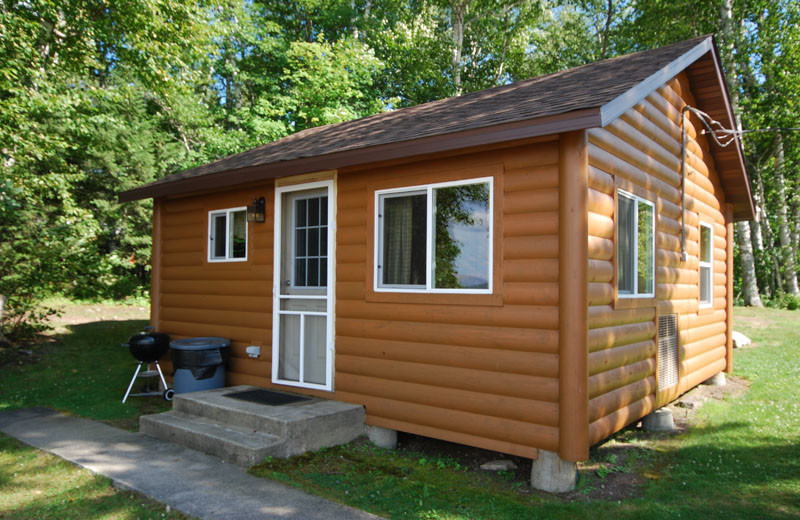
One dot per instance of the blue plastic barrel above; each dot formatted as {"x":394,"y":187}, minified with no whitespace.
{"x":199,"y":363}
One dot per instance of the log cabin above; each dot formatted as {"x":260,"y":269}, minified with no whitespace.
{"x":525,"y":269}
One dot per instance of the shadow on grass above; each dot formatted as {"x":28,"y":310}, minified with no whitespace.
{"x":704,"y":478}
{"x":84,"y":372}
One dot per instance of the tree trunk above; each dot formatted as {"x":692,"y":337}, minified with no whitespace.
{"x":457,"y":22}
{"x":749,"y":278}
{"x":784,"y":236}
{"x":605,"y":35}
{"x":3,"y":341}
{"x":749,"y":285}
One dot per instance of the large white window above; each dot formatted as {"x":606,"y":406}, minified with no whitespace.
{"x":435,"y":238}
{"x":227,"y":235}
{"x":706,"y":265}
{"x":635,"y":246}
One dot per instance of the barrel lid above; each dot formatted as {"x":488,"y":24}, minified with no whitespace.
{"x":203,"y":343}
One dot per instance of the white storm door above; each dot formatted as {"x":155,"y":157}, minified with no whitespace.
{"x":302,"y":318}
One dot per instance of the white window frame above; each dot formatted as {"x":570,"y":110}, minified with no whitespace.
{"x":635,"y":292}
{"x":228,"y":220}
{"x":709,"y":264}
{"x":429,"y":246}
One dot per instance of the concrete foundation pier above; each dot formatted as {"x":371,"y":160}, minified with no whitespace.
{"x":659,"y":421}
{"x":382,"y":437}
{"x":552,"y":474}
{"x":717,"y":379}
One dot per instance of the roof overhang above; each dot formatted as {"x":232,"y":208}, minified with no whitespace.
{"x":700,"y":62}
{"x":569,"y":121}
{"x":702,"y":66}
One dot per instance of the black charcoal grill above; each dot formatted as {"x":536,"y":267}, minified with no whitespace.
{"x":148,"y":347}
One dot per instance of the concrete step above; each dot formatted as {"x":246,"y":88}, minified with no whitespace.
{"x":237,"y":445}
{"x":244,"y":433}
{"x":307,"y":425}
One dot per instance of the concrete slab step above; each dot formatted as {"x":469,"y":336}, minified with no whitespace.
{"x":234,"y":444}
{"x":244,"y":433}
{"x":307,"y":425}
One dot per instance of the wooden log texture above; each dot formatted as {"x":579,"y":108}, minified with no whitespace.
{"x":641,"y":151}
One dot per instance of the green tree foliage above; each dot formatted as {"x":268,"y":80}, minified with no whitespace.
{"x":97,"y":97}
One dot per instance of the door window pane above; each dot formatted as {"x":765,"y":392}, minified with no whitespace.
{"x":461,"y":231}
{"x":311,"y":242}
{"x":314,"y":352}
{"x":289,"y":366}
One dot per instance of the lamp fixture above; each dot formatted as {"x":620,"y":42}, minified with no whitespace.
{"x":256,"y":211}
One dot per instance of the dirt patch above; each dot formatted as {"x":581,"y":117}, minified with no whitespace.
{"x":686,"y":406}
{"x":754,"y":322}
{"x":468,"y":457}
{"x":618,"y":469}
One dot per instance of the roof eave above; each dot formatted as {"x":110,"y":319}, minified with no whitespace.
{"x":621,"y":104}
{"x":576,"y":120}
{"x":744,"y":210}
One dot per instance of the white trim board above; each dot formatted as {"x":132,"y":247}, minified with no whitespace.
{"x":624,"y":102}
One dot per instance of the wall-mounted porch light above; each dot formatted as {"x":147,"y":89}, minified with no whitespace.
{"x":256,"y":211}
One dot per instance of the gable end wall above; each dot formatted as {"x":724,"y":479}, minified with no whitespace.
{"x":641,"y":152}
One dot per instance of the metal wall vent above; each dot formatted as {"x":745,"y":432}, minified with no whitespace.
{"x":667,"y":351}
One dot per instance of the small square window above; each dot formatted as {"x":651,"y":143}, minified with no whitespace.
{"x":227,"y":240}
{"x":635,"y":246}
{"x":435,"y":238}
{"x":706,"y":265}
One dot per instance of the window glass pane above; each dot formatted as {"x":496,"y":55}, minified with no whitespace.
{"x":313,"y":242}
{"x":323,"y":211}
{"x":299,"y":242}
{"x":218,"y":236}
{"x":313,"y":212}
{"x":300,"y":213}
{"x":404,"y":229}
{"x":323,"y":272}
{"x":461,"y":229}
{"x":625,"y":236}
{"x":238,"y":245}
{"x":705,"y":244}
{"x":300,"y":272}
{"x":646,"y":251}
{"x":312,"y":273}
{"x":705,"y":285}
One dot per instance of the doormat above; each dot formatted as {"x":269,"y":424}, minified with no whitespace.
{"x":267,"y":397}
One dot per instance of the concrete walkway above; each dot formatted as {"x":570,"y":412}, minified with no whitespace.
{"x":188,"y":481}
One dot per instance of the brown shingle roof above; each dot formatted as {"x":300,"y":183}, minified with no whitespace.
{"x":563,"y":95}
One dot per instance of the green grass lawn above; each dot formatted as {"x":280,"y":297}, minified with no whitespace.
{"x":80,"y":369}
{"x":741,"y":458}
{"x":36,"y":485}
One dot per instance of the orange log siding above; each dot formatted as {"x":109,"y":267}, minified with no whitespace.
{"x":475,"y":369}
{"x":484,"y":370}
{"x":640,"y":152}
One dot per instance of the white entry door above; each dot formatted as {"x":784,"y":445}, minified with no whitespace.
{"x":302,"y":326}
